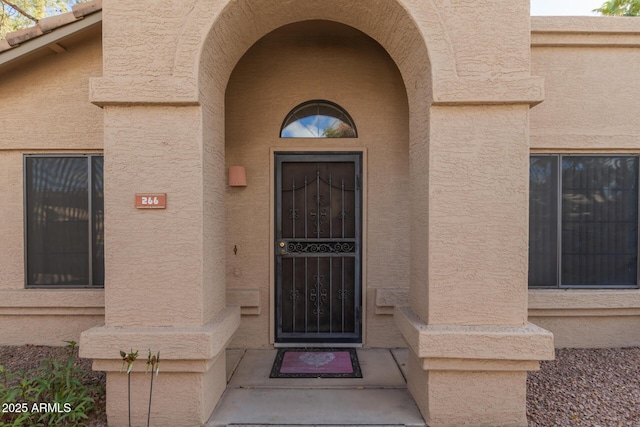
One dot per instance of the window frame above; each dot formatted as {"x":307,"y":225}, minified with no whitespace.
{"x":559,"y":222}
{"x":90,"y":181}
{"x":317,"y":102}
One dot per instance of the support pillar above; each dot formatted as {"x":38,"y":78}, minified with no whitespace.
{"x":164,"y":284}
{"x":471,"y":375}
{"x":466,"y":326}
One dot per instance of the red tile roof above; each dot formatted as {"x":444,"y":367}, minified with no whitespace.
{"x":47,"y":25}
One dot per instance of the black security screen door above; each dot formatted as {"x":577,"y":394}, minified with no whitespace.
{"x":318,"y":247}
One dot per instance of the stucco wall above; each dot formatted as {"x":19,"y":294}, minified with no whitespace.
{"x":478,"y":42}
{"x":44,"y":108}
{"x":300,"y":62}
{"x":590,"y":66}
{"x":478,"y":235}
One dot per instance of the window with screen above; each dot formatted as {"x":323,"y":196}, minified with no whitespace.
{"x":64,"y":221}
{"x":583,"y":221}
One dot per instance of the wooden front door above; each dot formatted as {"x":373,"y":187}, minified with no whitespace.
{"x":318,"y":247}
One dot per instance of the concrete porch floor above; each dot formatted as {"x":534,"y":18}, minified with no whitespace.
{"x":380,"y":398}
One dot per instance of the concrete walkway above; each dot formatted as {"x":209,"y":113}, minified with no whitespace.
{"x":380,"y":398}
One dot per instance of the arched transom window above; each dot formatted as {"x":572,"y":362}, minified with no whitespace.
{"x":318,"y":119}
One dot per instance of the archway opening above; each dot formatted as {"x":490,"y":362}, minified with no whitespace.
{"x":236,"y":29}
{"x":319,"y":60}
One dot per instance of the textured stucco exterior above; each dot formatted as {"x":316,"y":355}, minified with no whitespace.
{"x":590,"y":69}
{"x":44,"y":109}
{"x":447,"y":100}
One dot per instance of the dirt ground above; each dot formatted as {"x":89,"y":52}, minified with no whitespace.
{"x":582,"y":387}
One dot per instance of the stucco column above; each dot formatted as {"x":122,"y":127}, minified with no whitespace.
{"x":466,"y":326}
{"x":164,"y":284}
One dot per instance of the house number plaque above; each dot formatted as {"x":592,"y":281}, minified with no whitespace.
{"x":151,"y":200}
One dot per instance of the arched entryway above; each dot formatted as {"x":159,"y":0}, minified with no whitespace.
{"x":401,"y":56}
{"x":237,"y":28}
{"x":295,"y":63}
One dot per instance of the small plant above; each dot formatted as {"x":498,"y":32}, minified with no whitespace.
{"x":128,"y":359}
{"x":55,"y":394}
{"x":153,"y":364}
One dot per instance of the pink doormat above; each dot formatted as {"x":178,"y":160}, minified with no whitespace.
{"x":316,"y":363}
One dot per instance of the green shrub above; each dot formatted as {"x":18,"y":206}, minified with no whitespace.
{"x":55,"y":394}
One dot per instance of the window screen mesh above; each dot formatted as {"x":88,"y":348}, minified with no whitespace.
{"x":58,"y":221}
{"x":597,"y":219}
